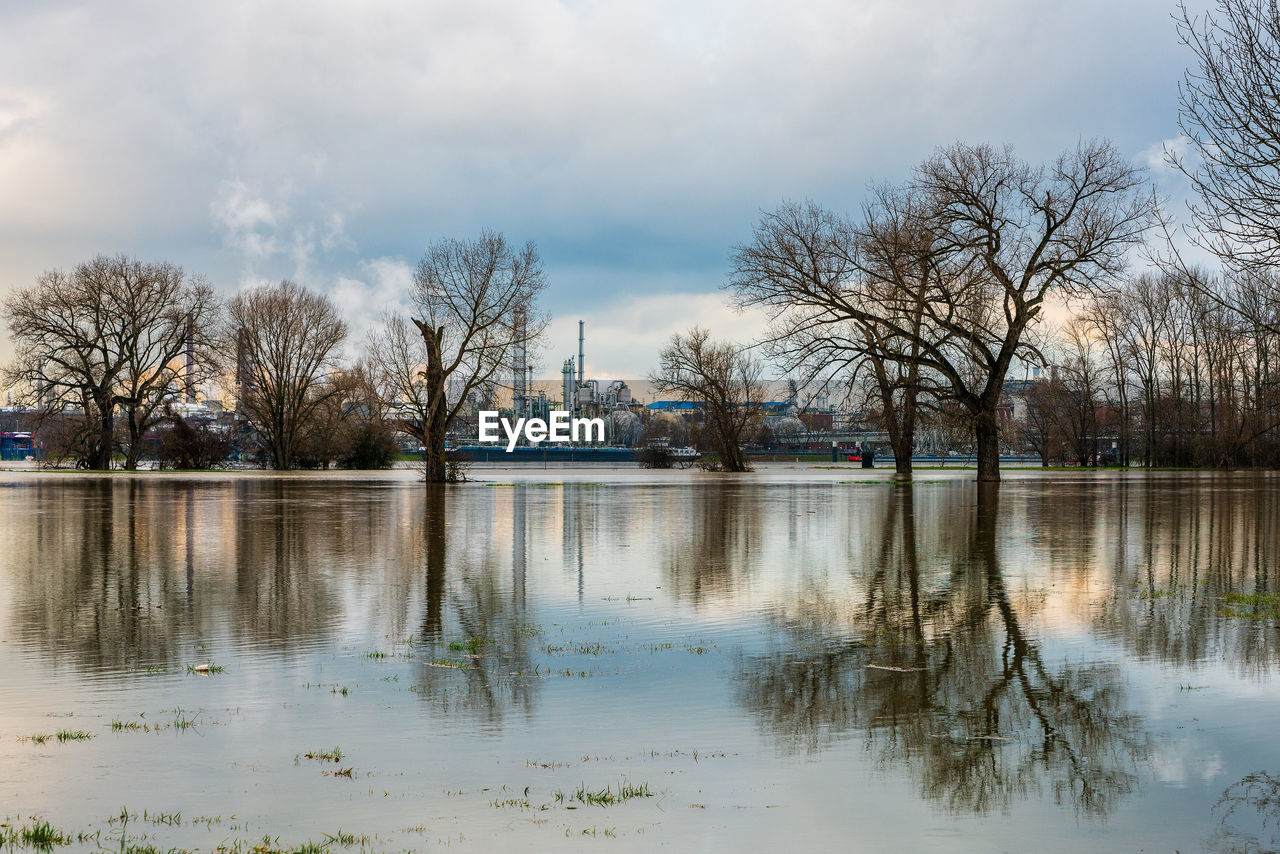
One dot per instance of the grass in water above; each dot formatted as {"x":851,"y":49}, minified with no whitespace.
{"x":73,"y":735}
{"x":42,"y":834}
{"x":471,"y":645}
{"x":182,"y":722}
{"x":346,"y":840}
{"x":1251,"y":606}
{"x":605,"y":797}
{"x":334,"y":755}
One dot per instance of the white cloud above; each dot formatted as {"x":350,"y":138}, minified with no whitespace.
{"x":246,"y":219}
{"x":623,"y":339}
{"x":1156,"y":157}
{"x":634,"y":138}
{"x":382,"y":286}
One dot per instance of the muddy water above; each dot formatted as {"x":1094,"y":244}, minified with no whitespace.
{"x":621,"y":662}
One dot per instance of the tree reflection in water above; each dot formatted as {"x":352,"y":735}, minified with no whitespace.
{"x":939,"y":674}
{"x":478,"y":660}
{"x":121,"y":573}
{"x":1180,"y":554}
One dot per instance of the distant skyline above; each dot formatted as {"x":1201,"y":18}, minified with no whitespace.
{"x":634,"y":142}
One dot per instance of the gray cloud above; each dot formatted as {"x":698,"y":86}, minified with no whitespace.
{"x":633,"y":140}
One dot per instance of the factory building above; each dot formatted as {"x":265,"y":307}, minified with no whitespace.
{"x":582,"y":397}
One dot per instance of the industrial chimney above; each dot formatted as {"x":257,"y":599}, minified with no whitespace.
{"x":581,"y":359}
{"x":191,"y":359}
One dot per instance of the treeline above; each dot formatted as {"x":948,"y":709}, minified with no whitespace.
{"x":108,"y":352}
{"x":1170,"y":369}
{"x":924,"y":306}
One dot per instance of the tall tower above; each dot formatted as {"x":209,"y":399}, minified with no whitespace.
{"x":519,"y":390}
{"x":582,"y":360}
{"x":566,"y":374}
{"x":191,"y":359}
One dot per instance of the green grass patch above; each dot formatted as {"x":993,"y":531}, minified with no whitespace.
{"x":606,"y":797}
{"x":41,"y":834}
{"x":1251,"y":606}
{"x":470,"y":645}
{"x":205,"y":669}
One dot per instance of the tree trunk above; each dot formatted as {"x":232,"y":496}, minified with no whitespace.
{"x":435,"y":458}
{"x":281,"y":447}
{"x":135,"y":445}
{"x":902,"y":457}
{"x":903,"y":436}
{"x":106,"y":435}
{"x":987,"y":433}
{"x":435,"y":463}
{"x":730,"y":448}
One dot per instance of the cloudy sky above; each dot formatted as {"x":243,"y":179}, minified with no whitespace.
{"x":635,"y":141}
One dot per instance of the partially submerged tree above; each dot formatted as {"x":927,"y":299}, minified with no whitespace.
{"x":840,"y":294}
{"x":1022,"y":235}
{"x":725,"y":379}
{"x":397,"y":356}
{"x":110,"y":334}
{"x":475,"y":302}
{"x":168,"y":336}
{"x":287,"y":342}
{"x":1002,"y":238}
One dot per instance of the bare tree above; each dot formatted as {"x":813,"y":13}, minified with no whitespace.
{"x":287,"y":341}
{"x":475,"y":303}
{"x":1038,"y":426}
{"x":723,"y":378}
{"x":168,"y":337}
{"x":1024,"y":234}
{"x":999,"y":238}
{"x":839,"y":295}
{"x":1230,"y":112}
{"x":1103,"y":315}
{"x":397,"y":364}
{"x":1080,"y":383}
{"x":110,"y":334}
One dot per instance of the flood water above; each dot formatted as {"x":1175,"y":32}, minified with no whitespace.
{"x":786,"y":661}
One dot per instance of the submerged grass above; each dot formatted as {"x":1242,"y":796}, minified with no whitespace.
{"x":470,"y":645}
{"x":40,"y":834}
{"x":205,"y":669}
{"x":1251,"y":606}
{"x":182,"y":721}
{"x":606,"y":797}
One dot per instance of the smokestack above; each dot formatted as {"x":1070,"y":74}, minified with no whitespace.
{"x":191,"y":360}
{"x":519,"y":390}
{"x":581,"y":358}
